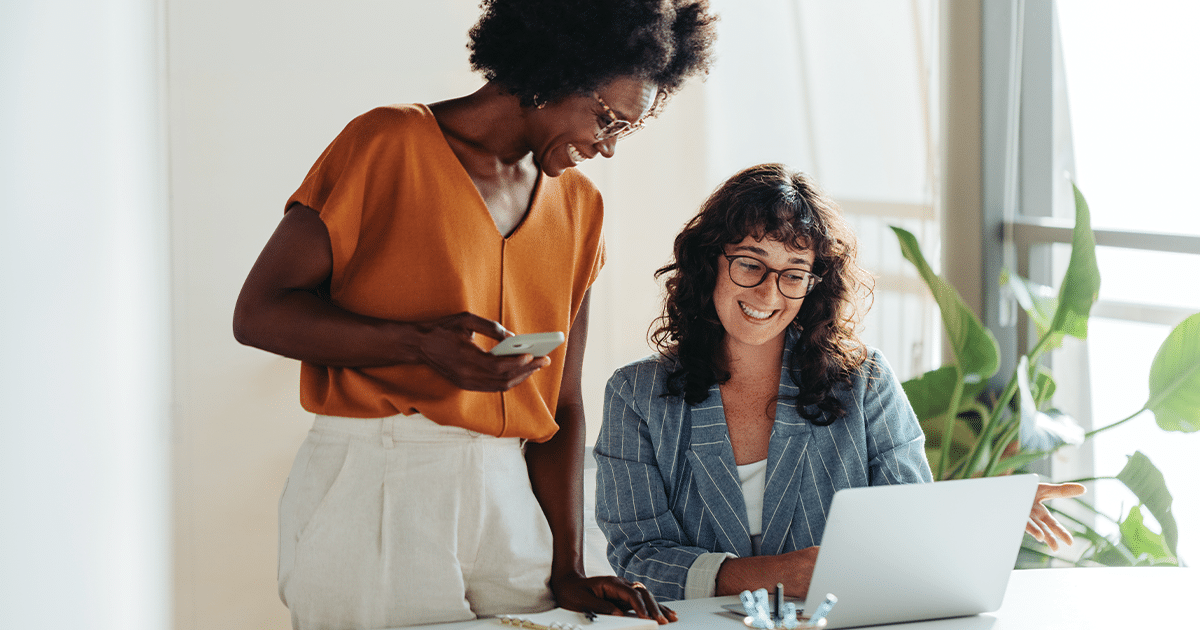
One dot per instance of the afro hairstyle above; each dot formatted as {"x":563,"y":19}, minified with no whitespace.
{"x":546,"y":50}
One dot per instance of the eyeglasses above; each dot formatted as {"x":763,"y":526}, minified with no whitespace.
{"x":748,"y":272}
{"x":618,"y":128}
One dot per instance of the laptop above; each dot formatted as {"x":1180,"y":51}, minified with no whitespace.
{"x":920,"y":551}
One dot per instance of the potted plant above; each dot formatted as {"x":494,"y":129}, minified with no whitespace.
{"x":972,"y":431}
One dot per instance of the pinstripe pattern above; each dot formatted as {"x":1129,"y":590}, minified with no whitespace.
{"x":667,"y":488}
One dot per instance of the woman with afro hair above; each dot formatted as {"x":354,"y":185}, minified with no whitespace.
{"x":441,"y":482}
{"x":718,"y":458}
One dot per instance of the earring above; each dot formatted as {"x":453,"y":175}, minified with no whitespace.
{"x":541,"y":105}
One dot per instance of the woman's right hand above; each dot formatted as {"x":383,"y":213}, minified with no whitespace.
{"x":792,"y":569}
{"x":447,"y":345}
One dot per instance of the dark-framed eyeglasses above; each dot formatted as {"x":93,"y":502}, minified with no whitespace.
{"x":617,"y":128}
{"x":749,"y":272}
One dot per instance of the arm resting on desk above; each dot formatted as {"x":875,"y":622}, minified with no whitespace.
{"x":646,"y":542}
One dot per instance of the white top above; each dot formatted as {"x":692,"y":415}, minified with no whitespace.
{"x":754,"y":485}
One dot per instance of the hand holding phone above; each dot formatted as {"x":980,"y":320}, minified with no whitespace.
{"x":537,"y":344}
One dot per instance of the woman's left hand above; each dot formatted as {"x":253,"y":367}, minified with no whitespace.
{"x":1042,"y":525}
{"x":608,"y":595}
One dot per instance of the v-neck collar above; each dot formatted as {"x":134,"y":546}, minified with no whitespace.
{"x":481,"y":205}
{"x":717,"y":480}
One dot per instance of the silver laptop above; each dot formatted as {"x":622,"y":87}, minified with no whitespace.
{"x":920,"y":551}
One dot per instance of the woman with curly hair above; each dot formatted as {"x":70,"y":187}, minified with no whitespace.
{"x":440,"y":481}
{"x":719,"y":457}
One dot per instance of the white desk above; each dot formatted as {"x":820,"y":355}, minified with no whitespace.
{"x":1036,"y":599}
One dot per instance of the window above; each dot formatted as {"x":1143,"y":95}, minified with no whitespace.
{"x":1133,"y":122}
{"x":1100,"y":94}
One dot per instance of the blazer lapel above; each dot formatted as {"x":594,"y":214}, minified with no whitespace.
{"x":715,"y":474}
{"x":786,"y":468}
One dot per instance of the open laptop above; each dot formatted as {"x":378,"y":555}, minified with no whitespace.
{"x":920,"y":551}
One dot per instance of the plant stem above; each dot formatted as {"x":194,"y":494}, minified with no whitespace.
{"x":1006,"y":396}
{"x":997,"y":453}
{"x":968,"y":463}
{"x":1002,"y":403}
{"x":1087,"y":479}
{"x":1069,"y":516}
{"x":1036,"y":354}
{"x":990,"y":422}
{"x":1117,"y":423}
{"x":1091,"y":508}
{"x":948,"y":426}
{"x":978,"y":408}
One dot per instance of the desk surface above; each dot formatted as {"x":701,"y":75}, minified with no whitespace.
{"x":1036,"y":599}
{"x":1059,"y":599}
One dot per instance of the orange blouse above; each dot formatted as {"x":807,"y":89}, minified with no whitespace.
{"x":413,"y":241}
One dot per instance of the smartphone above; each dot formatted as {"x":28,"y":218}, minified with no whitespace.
{"x":537,"y":344}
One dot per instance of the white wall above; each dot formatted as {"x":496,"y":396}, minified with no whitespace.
{"x":84,"y":503}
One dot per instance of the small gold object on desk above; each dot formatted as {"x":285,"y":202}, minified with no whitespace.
{"x":518,"y":622}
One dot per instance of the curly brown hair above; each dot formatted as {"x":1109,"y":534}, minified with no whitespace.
{"x":767,"y":201}
{"x":546,"y":50}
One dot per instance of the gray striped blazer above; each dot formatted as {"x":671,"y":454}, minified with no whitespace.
{"x":667,"y":487}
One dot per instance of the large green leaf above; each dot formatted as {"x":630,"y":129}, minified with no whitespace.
{"x":1146,"y":546}
{"x":1175,"y":379}
{"x":930,"y":393}
{"x":1147,"y":483}
{"x":1081,"y":284}
{"x":975,"y":349}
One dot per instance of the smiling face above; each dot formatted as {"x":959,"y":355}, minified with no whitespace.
{"x":564,"y":133}
{"x":753,"y":316}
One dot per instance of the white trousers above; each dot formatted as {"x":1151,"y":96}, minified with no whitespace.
{"x":401,"y":521}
